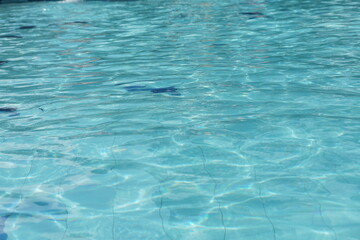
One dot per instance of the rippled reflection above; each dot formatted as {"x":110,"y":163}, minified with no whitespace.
{"x":179,"y":120}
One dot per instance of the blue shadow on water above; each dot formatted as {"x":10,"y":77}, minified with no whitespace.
{"x":10,"y":36}
{"x":7,"y":109}
{"x":27,"y":27}
{"x":252,"y":15}
{"x":170,"y":90}
{"x":10,"y":110}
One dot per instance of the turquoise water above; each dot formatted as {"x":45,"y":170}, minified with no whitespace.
{"x":258,"y":138}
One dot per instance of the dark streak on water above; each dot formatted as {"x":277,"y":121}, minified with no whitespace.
{"x":10,"y":36}
{"x":27,"y":27}
{"x":7,"y":109}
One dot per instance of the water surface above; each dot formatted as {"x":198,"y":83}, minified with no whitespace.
{"x":260,"y":141}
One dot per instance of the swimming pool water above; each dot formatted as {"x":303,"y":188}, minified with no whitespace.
{"x":169,"y":120}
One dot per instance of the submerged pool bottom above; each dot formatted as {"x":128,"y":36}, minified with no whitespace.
{"x":167,"y":120}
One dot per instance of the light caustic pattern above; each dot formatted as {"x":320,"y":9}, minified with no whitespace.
{"x":167,"y":120}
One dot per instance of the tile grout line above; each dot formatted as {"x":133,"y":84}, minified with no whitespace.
{"x":214,"y":193}
{"x":264,"y":207}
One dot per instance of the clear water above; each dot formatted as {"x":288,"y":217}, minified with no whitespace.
{"x":259,"y":141}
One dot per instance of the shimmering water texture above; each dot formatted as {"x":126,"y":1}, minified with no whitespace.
{"x":180,"y":120}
